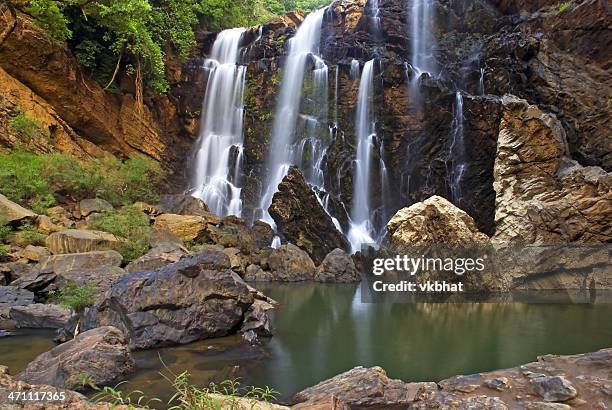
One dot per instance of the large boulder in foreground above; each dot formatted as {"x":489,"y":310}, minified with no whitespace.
{"x":301,"y":218}
{"x":100,"y":354}
{"x":434,"y":221}
{"x":337,"y":267}
{"x":542,"y":195}
{"x":11,"y":212}
{"x":290,"y":264}
{"x":79,"y":241}
{"x":196,"y":298}
{"x":551,"y":382}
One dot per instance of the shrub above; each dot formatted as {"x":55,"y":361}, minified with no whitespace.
{"x":25,"y":126}
{"x":73,"y":297}
{"x":131,"y":224}
{"x":29,"y":235}
{"x":4,"y":232}
{"x":564,"y":5}
{"x":32,"y":180}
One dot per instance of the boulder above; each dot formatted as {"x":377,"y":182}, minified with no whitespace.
{"x":301,"y":218}
{"x":185,"y":227}
{"x":554,"y":388}
{"x":79,"y":261}
{"x":196,"y":298}
{"x":256,"y":321}
{"x":337,"y":267}
{"x":233,"y":232}
{"x":359,"y":387}
{"x":182,"y":205}
{"x":35,"y":280}
{"x":72,"y":400}
{"x":163,"y":254}
{"x":60,"y":217}
{"x":45,"y":225}
{"x":15,"y":296}
{"x":79,"y":241}
{"x":542,"y":195}
{"x":35,"y":253}
{"x":434,"y":221}
{"x":91,"y":205}
{"x":254,"y":273}
{"x":102,"y":355}
{"x":98,"y":280}
{"x":291,"y":264}
{"x":39,"y":316}
{"x":12,"y":212}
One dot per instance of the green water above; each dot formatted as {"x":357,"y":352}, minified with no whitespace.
{"x":322,"y":330}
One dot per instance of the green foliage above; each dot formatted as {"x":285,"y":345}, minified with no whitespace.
{"x":29,"y":235}
{"x":226,"y":395}
{"x":49,"y":16}
{"x":25,"y":126}
{"x":32,"y":180}
{"x":5,"y":230}
{"x":131,"y":224}
{"x":564,"y":5}
{"x":73,"y":297}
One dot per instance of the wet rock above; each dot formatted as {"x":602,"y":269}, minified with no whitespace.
{"x":12,"y":212}
{"x":542,"y":195}
{"x":291,"y":264}
{"x":40,"y":316}
{"x":185,"y":227}
{"x":161,"y":255}
{"x":359,"y":388}
{"x":93,"y":205}
{"x":35,"y":253}
{"x":302,"y":220}
{"x":196,"y":298}
{"x":434,"y":221}
{"x":101,"y":354}
{"x":257,"y":321}
{"x":554,"y":388}
{"x":182,"y":205}
{"x":337,"y":267}
{"x":79,"y":241}
{"x":15,"y":296}
{"x":254,"y":273}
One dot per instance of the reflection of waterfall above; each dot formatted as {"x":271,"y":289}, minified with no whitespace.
{"x":421,"y":29}
{"x":219,"y":148}
{"x":361,"y":229}
{"x":303,"y":48}
{"x":457,"y":151}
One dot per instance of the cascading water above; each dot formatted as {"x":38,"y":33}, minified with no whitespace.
{"x":421,"y":30}
{"x":354,"y":69}
{"x":361,"y":230}
{"x":481,"y":86}
{"x":303,"y":48}
{"x":457,"y":151}
{"x":219,"y":152}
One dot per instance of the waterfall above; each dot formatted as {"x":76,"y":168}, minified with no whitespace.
{"x":361,"y":230}
{"x":354,"y":69}
{"x":457,"y":150}
{"x":421,"y":29}
{"x":303,"y":48}
{"x":219,"y":149}
{"x":481,"y":86}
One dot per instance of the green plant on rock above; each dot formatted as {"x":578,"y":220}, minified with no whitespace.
{"x":131,"y":224}
{"x":5,"y":230}
{"x":564,"y":5}
{"x":23,"y":125}
{"x":29,"y":235}
{"x":73,"y":297}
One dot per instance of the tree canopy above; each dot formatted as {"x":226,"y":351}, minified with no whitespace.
{"x":113,"y":36}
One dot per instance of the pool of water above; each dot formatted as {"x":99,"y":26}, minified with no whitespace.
{"x":322,"y":330}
